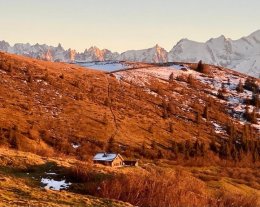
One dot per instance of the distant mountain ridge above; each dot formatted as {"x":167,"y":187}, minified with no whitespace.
{"x":242,"y":55}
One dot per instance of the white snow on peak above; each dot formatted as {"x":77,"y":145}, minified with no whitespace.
{"x":242,"y":55}
{"x":152,"y":55}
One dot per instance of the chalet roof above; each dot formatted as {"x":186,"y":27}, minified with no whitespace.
{"x":105,"y":156}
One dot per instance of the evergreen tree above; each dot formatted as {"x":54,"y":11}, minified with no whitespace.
{"x":231,"y":131}
{"x":224,"y":151}
{"x":202,"y":149}
{"x":13,"y":136}
{"x":234,"y":153}
{"x":187,"y":149}
{"x":165,"y":109}
{"x":247,"y":113}
{"x":61,"y":76}
{"x":10,"y":68}
{"x":240,"y":87}
{"x":254,"y":116}
{"x":223,"y":87}
{"x":251,"y":84}
{"x":171,"y":77}
{"x":255,"y":155}
{"x":30,"y":79}
{"x":196,"y":148}
{"x":105,"y":119}
{"x":153,"y":145}
{"x":206,"y":112}
{"x":191,"y":80}
{"x":159,"y":154}
{"x":200,"y":67}
{"x":229,"y":81}
{"x":150,"y":129}
{"x":143,"y":150}
{"x":111,"y":145}
{"x":174,"y":148}
{"x":107,"y":102}
{"x":222,"y":91}
{"x":256,"y":100}
{"x":197,"y":117}
{"x":171,"y":127}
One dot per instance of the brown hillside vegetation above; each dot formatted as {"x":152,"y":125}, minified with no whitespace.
{"x":195,"y":117}
{"x":47,"y":106}
{"x":20,"y":174}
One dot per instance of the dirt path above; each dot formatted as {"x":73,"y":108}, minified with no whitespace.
{"x":110,"y":108}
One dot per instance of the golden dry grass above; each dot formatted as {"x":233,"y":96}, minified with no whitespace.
{"x":20,"y":175}
{"x":58,"y":103}
{"x":45,"y":107}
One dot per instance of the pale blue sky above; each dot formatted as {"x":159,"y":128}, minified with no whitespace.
{"x":125,"y":24}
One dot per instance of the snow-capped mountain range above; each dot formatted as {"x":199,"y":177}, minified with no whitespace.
{"x":242,"y":55}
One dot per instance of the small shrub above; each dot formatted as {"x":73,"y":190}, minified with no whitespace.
{"x":61,"y":76}
{"x":251,"y":84}
{"x":236,"y":200}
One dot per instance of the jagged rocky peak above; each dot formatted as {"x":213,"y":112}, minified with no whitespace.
{"x":91,"y":54}
{"x":242,"y":55}
{"x":59,"y":47}
{"x":155,"y":54}
{"x":93,"y":48}
{"x":161,"y":55}
{"x":70,"y":55}
{"x":157,"y":47}
{"x":4,"y":46}
{"x":96,"y":53}
{"x":47,"y":56}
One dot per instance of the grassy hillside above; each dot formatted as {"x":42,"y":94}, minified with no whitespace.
{"x":52,"y":105}
{"x":200,"y":118}
{"x":20,"y":176}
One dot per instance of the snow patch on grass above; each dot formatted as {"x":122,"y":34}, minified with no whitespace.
{"x":218,"y":129}
{"x":51,"y":184}
{"x":75,"y":145}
